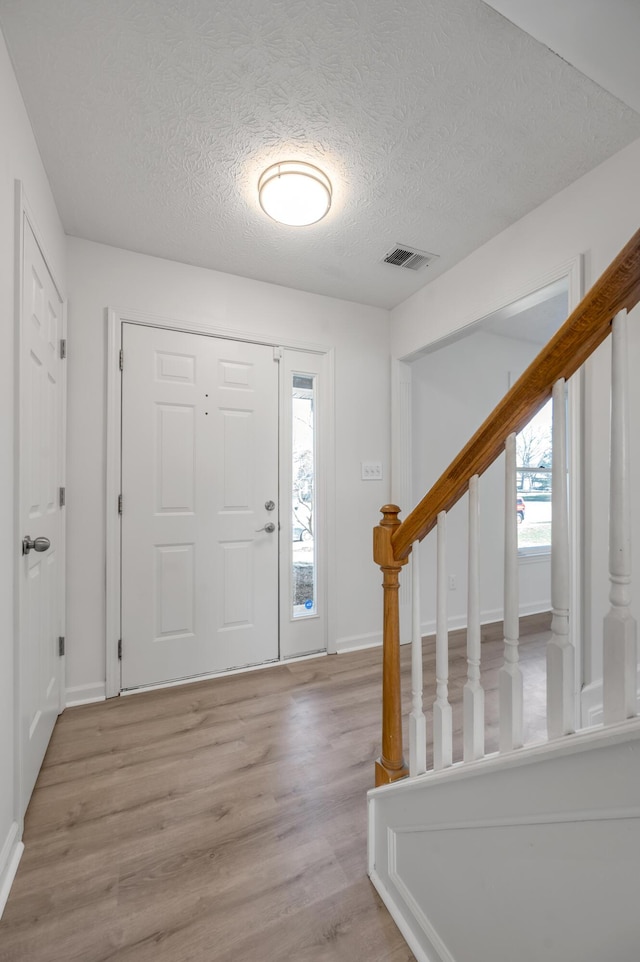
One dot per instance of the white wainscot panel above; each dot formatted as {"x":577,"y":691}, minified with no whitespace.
{"x":36,"y":587}
{"x":235,"y":375}
{"x":175,"y":367}
{"x":176,"y":459}
{"x":174,"y":590}
{"x":48,"y":452}
{"x":36,"y":407}
{"x":556,"y":867}
{"x":37,"y":300}
{"x":237,"y":601}
{"x":49,"y":652}
{"x":238,"y":459}
{"x":52,"y":314}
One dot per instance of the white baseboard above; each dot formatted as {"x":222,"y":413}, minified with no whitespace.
{"x":358,"y":642}
{"x":399,"y":918}
{"x":591,"y":703}
{"x":9,"y":860}
{"x":455,"y":623}
{"x":489,"y":617}
{"x":374,"y":640}
{"x":85,"y":694}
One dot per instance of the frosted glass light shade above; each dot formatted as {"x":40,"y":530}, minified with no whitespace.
{"x":294,"y":193}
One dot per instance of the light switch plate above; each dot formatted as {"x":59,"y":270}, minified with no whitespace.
{"x":371,"y":470}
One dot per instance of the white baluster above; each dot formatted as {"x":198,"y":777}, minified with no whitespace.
{"x":620,"y":658}
{"x":510,"y":675}
{"x":560,"y":652}
{"x":473,"y":695}
{"x":442,"y":717}
{"x":417,"y":720}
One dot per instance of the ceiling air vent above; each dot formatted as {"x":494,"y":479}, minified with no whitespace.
{"x":410,"y":258}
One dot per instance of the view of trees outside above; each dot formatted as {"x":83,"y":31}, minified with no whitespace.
{"x":303,"y":495}
{"x":533,"y":456}
{"x":303,"y":499}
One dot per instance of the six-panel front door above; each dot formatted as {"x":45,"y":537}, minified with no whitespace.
{"x":199,"y":534}
{"x":41,"y":582}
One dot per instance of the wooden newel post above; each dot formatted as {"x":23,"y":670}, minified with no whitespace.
{"x":390,"y":766}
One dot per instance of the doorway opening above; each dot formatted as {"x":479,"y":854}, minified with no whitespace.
{"x":203,"y":452}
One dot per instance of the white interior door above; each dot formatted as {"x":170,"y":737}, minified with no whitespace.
{"x":199,"y":475}
{"x":41,"y":581}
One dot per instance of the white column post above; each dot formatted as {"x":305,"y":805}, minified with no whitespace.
{"x":620,"y":656}
{"x":442,"y":717}
{"x":473,"y":695}
{"x":510,"y":675}
{"x":417,"y":720}
{"x":560,"y":653}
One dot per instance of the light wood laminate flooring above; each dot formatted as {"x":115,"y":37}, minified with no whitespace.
{"x":225,"y":821}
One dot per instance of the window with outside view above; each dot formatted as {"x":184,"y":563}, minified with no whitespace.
{"x":533,"y":482}
{"x":304,"y":579}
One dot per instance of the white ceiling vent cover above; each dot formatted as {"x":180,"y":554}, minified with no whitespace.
{"x":409,"y":257}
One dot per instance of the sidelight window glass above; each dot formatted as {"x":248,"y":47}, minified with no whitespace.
{"x":303,"y":514}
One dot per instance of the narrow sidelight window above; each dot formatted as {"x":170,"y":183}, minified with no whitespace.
{"x":303,"y":515}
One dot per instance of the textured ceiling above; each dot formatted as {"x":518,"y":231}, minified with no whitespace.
{"x":438,"y":121}
{"x":599,"y":37}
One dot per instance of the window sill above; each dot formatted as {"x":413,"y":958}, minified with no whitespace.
{"x":529,"y":556}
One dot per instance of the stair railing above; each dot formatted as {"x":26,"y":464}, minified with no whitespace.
{"x":601,"y":312}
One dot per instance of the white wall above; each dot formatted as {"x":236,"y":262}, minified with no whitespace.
{"x":19,"y":159}
{"x":595,"y":216}
{"x":103,"y":277}
{"x":452,"y":395}
{"x":553,"y":825}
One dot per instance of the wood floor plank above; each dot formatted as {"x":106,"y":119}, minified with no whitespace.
{"x":226,"y":820}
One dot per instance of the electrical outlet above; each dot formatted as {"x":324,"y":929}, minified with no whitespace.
{"x":453,"y":584}
{"x":371,"y":470}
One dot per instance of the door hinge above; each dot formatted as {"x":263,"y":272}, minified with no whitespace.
{"x":121,"y":360}
{"x":63,"y":348}
{"x":62,"y":499}
{"x":277,"y":353}
{"x":61,"y":645}
{"x":119,"y":504}
{"x":119,"y":649}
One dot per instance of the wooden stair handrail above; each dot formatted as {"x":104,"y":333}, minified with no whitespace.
{"x":583,"y":331}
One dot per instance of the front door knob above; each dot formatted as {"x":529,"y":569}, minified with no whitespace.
{"x":269,"y":527}
{"x":38,"y":544}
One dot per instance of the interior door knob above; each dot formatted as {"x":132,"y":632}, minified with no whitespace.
{"x":38,"y":544}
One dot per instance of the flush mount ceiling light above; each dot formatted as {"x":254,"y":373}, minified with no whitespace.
{"x":294,"y":193}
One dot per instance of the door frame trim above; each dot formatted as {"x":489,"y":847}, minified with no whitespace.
{"x":24,"y":210}
{"x":573,"y":270}
{"x":115,"y":318}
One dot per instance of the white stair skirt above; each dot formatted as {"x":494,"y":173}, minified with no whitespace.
{"x":530,"y":857}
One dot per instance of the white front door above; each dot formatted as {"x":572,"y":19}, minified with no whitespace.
{"x":41,"y":582}
{"x":199,"y":476}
